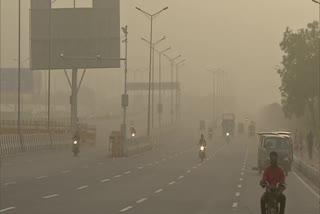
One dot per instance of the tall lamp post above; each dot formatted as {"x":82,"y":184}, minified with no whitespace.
{"x":160,"y":106}
{"x":171,"y":60}
{"x":178,"y":91}
{"x":152,"y":74}
{"x":125,"y":99}
{"x":214,"y":94}
{"x":152,"y":17}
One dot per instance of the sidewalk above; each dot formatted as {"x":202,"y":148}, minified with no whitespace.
{"x":314,"y":163}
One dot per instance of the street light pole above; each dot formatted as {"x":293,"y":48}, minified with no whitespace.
{"x":151,"y":16}
{"x":214,"y":94}
{"x":125,"y":99}
{"x":160,"y":106}
{"x":152,"y":82}
{"x":171,"y":60}
{"x":178,"y":91}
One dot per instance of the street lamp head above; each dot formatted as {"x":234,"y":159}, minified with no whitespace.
{"x":124,"y":30}
{"x":138,"y":8}
{"x":145,"y":40}
{"x":62,"y":55}
{"x":166,"y":8}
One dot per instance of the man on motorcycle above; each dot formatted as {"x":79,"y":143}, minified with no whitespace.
{"x":273,"y":175}
{"x":202,"y":141}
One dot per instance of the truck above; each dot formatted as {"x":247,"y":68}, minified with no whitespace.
{"x":228,"y":124}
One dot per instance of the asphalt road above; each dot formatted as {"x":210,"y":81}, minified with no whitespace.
{"x":169,"y":179}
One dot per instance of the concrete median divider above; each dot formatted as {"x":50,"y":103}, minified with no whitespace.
{"x":139,"y":145}
{"x":308,"y":171}
{"x":14,"y":144}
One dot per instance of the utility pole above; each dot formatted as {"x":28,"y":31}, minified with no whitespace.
{"x":151,"y":16}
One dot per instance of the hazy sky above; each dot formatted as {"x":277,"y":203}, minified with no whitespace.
{"x":242,"y":37}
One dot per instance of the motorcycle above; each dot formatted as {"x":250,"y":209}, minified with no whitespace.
{"x":251,"y":133}
{"x":75,"y":148}
{"x":202,"y":153}
{"x":228,"y":137}
{"x":272,"y":198}
{"x":133,"y":135}
{"x":210,"y":135}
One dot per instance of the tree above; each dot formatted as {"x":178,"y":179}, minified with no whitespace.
{"x":299,"y":70}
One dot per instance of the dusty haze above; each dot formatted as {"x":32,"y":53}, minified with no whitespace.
{"x":242,"y":37}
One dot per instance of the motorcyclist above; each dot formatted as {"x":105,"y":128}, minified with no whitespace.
{"x":210,"y":130}
{"x":273,"y":175}
{"x":132,"y":129}
{"x":76,"y":135}
{"x":202,"y":141}
{"x":76,"y":146}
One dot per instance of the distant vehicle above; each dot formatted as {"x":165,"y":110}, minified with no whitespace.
{"x":210,"y":133}
{"x":271,"y":141}
{"x":228,"y":124}
{"x":202,"y":153}
{"x":287,"y":135}
{"x":251,"y":130}
{"x":75,"y":148}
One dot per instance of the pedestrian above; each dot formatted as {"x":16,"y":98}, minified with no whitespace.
{"x":310,"y":141}
{"x":301,"y":143}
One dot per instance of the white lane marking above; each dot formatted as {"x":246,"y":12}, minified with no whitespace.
{"x":189,"y":171}
{"x":141,"y":200}
{"x":181,"y":177}
{"x":126,"y":209}
{"x":194,"y":167}
{"x":128,"y":172}
{"x":83,"y":187}
{"x":65,"y":171}
{"x":164,"y":159}
{"x":172,"y":183}
{"x":50,"y":196}
{"x":150,"y":164}
{"x":159,"y":190}
{"x":105,"y":180}
{"x":239,"y":185}
{"x":6,"y":209}
{"x":41,"y":177}
{"x":306,"y":185}
{"x":243,"y":169}
{"x":140,"y":167}
{"x":156,"y":162}
{"x":117,"y":176}
{"x":235,"y":205}
{"x":242,"y":173}
{"x":237,"y":194}
{"x":241,"y":179}
{"x":10,"y":183}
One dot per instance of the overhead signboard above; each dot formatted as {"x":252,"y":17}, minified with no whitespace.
{"x":64,"y":38}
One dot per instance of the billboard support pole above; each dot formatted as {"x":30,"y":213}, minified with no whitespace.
{"x":74,"y":99}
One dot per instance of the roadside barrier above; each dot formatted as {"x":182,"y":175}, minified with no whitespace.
{"x":13,"y":143}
